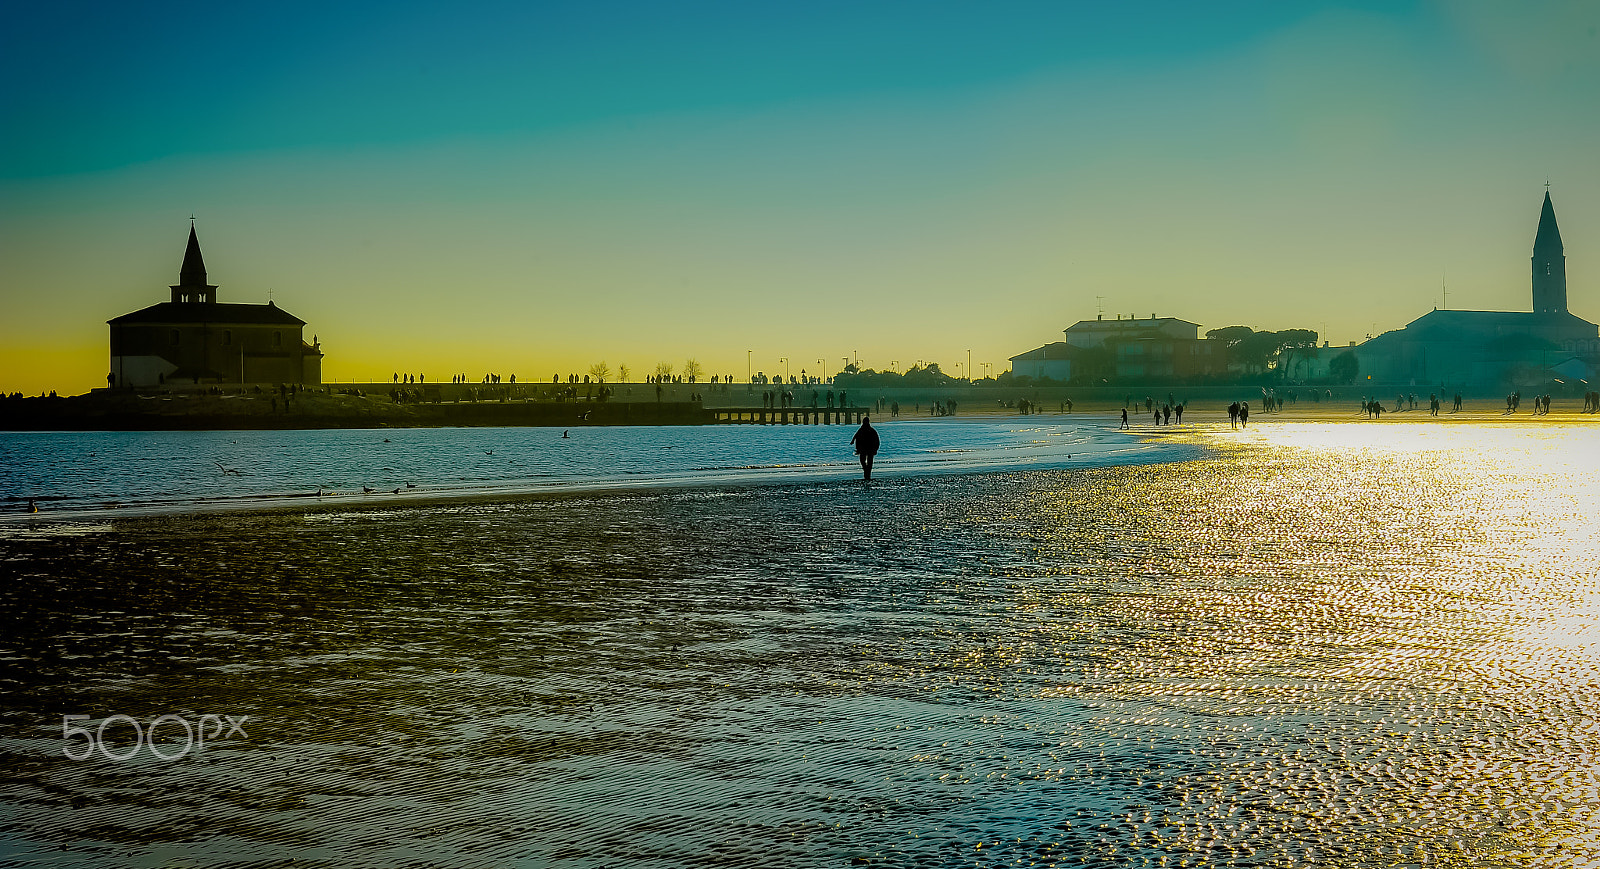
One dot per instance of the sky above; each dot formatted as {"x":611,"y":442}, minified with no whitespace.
{"x":532,"y":188}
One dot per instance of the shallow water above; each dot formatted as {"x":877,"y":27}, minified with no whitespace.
{"x":109,"y":474}
{"x":1334,"y":644}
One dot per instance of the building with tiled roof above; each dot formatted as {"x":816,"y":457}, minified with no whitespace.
{"x":194,"y":339}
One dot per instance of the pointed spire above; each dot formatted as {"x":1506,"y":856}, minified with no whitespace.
{"x":192,"y":286}
{"x":1549,"y":236}
{"x":193,"y":272}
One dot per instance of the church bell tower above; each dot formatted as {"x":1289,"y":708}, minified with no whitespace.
{"x":1549,"y":264}
{"x":192,"y":286}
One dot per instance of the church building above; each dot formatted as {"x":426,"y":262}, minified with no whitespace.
{"x":195,"y":339}
{"x":1500,"y":349}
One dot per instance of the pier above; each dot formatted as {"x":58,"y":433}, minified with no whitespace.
{"x":786,"y":415}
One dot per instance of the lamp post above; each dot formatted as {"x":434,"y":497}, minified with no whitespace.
{"x":894,"y":365}
{"x":969,"y":366}
{"x":824,"y":370}
{"x":785,"y":361}
{"x":987,"y":366}
{"x":747,"y":367}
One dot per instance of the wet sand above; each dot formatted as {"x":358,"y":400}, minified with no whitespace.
{"x":1319,"y":644}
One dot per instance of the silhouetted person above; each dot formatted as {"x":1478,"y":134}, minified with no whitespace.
{"x":1244,"y":414}
{"x":1124,"y":417}
{"x":866,"y":443}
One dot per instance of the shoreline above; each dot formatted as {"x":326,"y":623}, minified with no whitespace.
{"x":370,"y":406}
{"x":1105,"y":448}
{"x":1207,"y":435}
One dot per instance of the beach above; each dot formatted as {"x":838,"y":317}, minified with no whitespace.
{"x":1311,"y":642}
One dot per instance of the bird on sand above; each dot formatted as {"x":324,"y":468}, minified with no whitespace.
{"x":411,"y":485}
{"x":396,"y":491}
{"x":564,"y":434}
{"x":367,"y":489}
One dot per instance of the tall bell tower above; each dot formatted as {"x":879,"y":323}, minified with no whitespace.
{"x":1549,"y":264}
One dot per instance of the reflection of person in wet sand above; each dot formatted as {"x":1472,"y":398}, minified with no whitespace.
{"x":866,"y":442}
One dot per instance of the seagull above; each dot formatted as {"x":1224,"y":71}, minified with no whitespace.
{"x":586,"y":415}
{"x":397,"y":491}
{"x":411,"y":485}
{"x":367,"y":489}
{"x":488,"y":452}
{"x":564,"y":434}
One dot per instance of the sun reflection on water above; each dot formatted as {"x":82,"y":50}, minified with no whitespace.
{"x":1340,"y":645}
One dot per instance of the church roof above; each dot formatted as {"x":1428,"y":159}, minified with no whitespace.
{"x":193,"y":271}
{"x":210,"y":312}
{"x":1549,"y":235}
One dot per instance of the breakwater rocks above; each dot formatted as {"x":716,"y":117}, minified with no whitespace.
{"x":104,"y":410}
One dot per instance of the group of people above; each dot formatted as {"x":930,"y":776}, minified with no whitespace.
{"x":1238,"y":415}
{"x":1541,"y":403}
{"x":1591,"y":402}
{"x":1164,"y":414}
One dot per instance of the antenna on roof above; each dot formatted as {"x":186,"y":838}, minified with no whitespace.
{"x":1099,"y":304}
{"x":1444,"y":292}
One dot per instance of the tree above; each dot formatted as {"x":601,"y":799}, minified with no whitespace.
{"x":692,"y":370}
{"x":1344,"y":368}
{"x":664,"y":370}
{"x":622,"y":372}
{"x":600,"y":371}
{"x":1258,"y":351}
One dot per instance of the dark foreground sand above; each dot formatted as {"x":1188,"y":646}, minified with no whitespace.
{"x":1308,"y":647}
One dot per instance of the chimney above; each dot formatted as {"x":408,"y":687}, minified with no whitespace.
{"x":1100,"y":316}
{"x":1119,"y":317}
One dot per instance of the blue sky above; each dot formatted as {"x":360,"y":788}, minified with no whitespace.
{"x":536,"y":187}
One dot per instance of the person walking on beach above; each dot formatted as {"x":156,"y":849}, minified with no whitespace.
{"x":1124,"y":417}
{"x":866,"y":443}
